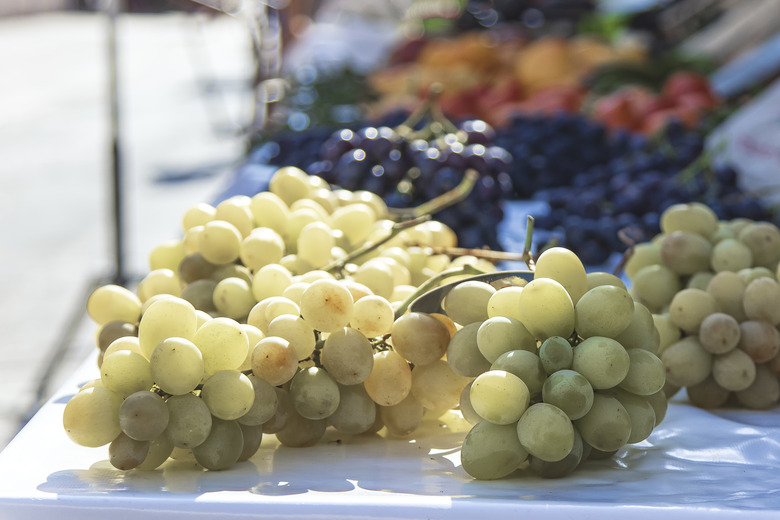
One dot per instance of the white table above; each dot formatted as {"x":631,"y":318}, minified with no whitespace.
{"x":696,"y":465}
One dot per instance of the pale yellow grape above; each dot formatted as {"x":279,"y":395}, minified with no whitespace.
{"x":274,"y":360}
{"x":167,"y":255}
{"x":504,"y":302}
{"x":728,"y":289}
{"x":734,"y":370}
{"x":437,"y":387}
{"x":641,"y":332}
{"x":356,"y":222}
{"x":223,"y":343}
{"x":525,"y":365}
{"x":689,"y":307}
{"x":607,"y":425}
{"x":91,"y":417}
{"x":762,"y":300}
{"x":441,"y":234}
{"x":372,"y":315}
{"x":290,"y":184}
{"x":373,"y":200}
{"x":280,"y":307}
{"x":220,"y":242}
{"x":256,"y":316}
{"x":125,"y":453}
{"x":200,"y":294}
{"x":313,"y":275}
{"x":222,"y":448}
{"x":159,"y":451}
{"x":686,"y":253}
{"x":105,"y":334}
{"x":763,"y":393}
{"x":377,"y":276}
{"x":603,"y":311}
{"x":228,"y":394}
{"x":731,"y":255}
{"x":447,"y":321}
{"x":467,"y":302}
{"x":759,"y":339}
{"x":598,"y":278}
{"x":763,"y":239}
{"x":556,"y":354}
{"x":314,"y":393}
{"x":563,"y":467}
{"x":646,"y":373}
{"x":226,"y":271}
{"x":437,"y":263}
{"x":603,"y":361}
{"x":294,"y":291}
{"x":719,"y":333}
{"x":159,"y":281}
{"x":463,"y":354}
{"x":253,"y":335}
{"x":191,"y":240}
{"x":323,"y":196}
{"x":402,"y":418}
{"x":233,"y":298}
{"x":570,"y":391}
{"x":270,"y":280}
{"x":640,"y":412}
{"x":176,"y":365}
{"x":645,"y":254}
{"x":189,"y":421}
{"x":356,"y":412}
{"x":491,"y":451}
{"x":264,"y":405}
{"x":546,"y":309}
{"x":327,"y":305}
{"x":263,"y":246}
{"x":420,"y":338}
{"x":699,"y":280}
{"x":126,"y":372}
{"x":753,"y":273}
{"x":686,"y":362}
{"x":268,"y":210}
{"x":313,"y":205}
{"x":314,"y":244}
{"x":390,"y":380}
{"x":113,"y":303}
{"x":400,"y":255}
{"x":401,"y":293}
{"x":143,"y":415}
{"x":198,"y":215}
{"x":236,"y":212}
{"x":201,"y":317}
{"x":501,"y":334}
{"x":298,"y":220}
{"x":546,"y":432}
{"x":655,"y":286}
{"x":401,"y":275}
{"x":347,"y":356}
{"x":563,"y":266}
{"x":693,"y":217}
{"x":154,"y":299}
{"x":465,"y":407}
{"x":499,"y":396}
{"x":124,"y":343}
{"x":296,"y":331}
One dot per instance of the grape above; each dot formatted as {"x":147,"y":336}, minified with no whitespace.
{"x":640,"y":412}
{"x":569,"y":391}
{"x":719,"y":333}
{"x":546,"y":432}
{"x":492,"y":451}
{"x":563,"y":266}
{"x":91,"y":417}
{"x":299,"y":432}
{"x":692,"y":217}
{"x":603,"y":361}
{"x":314,"y":393}
{"x":252,"y":436}
{"x":194,"y":267}
{"x":200,"y":293}
{"x":228,"y":394}
{"x":734,"y":370}
{"x":463,"y":353}
{"x":166,"y":318}
{"x":668,"y":332}
{"x":126,"y":453}
{"x":555,"y":353}
{"x":607,"y":425}
{"x":501,"y":334}
{"x":223,"y":446}
{"x":283,"y":408}
{"x":504,"y":303}
{"x":223,"y":344}
{"x":347,"y":356}
{"x":372,"y":315}
{"x":420,"y":338}
{"x":763,"y":393}
{"x":314,"y":244}
{"x":198,"y":215}
{"x":466,"y":303}
{"x":126,"y":372}
{"x":113,"y":303}
{"x":263,"y":246}
{"x":377,"y":275}
{"x":708,"y":394}
{"x":355,"y":221}
{"x":269,"y":210}
{"x":327,"y":305}
{"x":563,"y":467}
{"x":645,"y":254}
{"x":189,"y":421}
{"x":233,"y":298}
{"x":236,"y":211}
{"x":160,"y":281}
{"x":761,"y":300}
{"x":390,"y":380}
{"x":689,"y":307}
{"x":143,"y":416}
{"x":356,"y":412}
{"x":525,"y":365}
{"x":763,"y":239}
{"x":436,"y":386}
{"x":220,"y":242}
{"x":290,"y":184}
{"x":274,"y":360}
{"x":730,"y":255}
{"x":759,"y":339}
{"x":646,"y":373}
{"x":257,"y":315}
{"x":654,"y":286}
{"x":686,"y":362}
{"x":402,"y":418}
{"x":499,"y":396}
{"x":113,"y":330}
{"x":160,"y":450}
{"x":296,"y":331}
{"x":546,"y":309}
{"x":641,"y":332}
{"x":603,"y":311}
{"x":264,"y":404}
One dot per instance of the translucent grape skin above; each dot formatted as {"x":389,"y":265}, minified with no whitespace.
{"x":223,"y":446}
{"x":546,"y":432}
{"x":420,"y":338}
{"x":125,"y":453}
{"x":499,"y":397}
{"x":189,"y":421}
{"x":143,"y":416}
{"x":492,"y":451}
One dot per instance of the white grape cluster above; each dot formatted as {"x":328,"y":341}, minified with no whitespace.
{"x":561,"y":369}
{"x":241,"y":328}
{"x":713,"y":288}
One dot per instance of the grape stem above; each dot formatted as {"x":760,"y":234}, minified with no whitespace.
{"x":527,"y":256}
{"x":434,"y":281}
{"x":445,"y":200}
{"x":487,"y":254}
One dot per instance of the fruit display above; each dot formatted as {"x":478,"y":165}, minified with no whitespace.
{"x":712,"y":286}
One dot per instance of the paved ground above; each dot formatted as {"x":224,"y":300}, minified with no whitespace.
{"x":55,"y":209}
